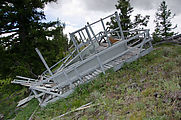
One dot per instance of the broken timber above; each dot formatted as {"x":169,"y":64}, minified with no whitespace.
{"x":93,"y":53}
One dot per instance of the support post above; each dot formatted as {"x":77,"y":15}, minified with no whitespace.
{"x":92,"y":31}
{"x":83,"y":35}
{"x":90,"y":40}
{"x":118,"y":34}
{"x":78,"y":75}
{"x":36,"y":95}
{"x":119,"y":24}
{"x":43,"y":60}
{"x":145,"y":38}
{"x":101,"y":65}
{"x":66,"y":76}
{"x":148,"y":33}
{"x":109,"y":43}
{"x":75,"y":44}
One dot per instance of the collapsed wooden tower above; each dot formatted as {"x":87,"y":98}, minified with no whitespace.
{"x":93,"y":52}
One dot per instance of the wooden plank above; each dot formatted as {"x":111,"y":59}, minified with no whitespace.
{"x":46,"y":91}
{"x":90,"y":58}
{"x":39,"y":95}
{"x":26,"y":84}
{"x":100,"y":64}
{"x":27,"y":99}
{"x":116,"y":62}
{"x":99,"y":71}
{"x":87,"y":77}
{"x":19,"y":81}
{"x":49,"y":85}
{"x":109,"y":65}
{"x":95,"y":72}
{"x":42,"y":87}
{"x":87,"y":70}
{"x":39,"y":99}
{"x":106,"y":67}
{"x":90,"y":76}
{"x":26,"y":78}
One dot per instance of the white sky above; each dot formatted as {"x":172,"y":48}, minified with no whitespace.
{"x":76,"y":13}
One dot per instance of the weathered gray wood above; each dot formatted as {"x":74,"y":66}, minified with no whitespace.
{"x":119,"y":24}
{"x":63,"y":64}
{"x":57,"y":63}
{"x":39,"y":95}
{"x":88,"y":63}
{"x":87,"y":77}
{"x":109,"y":43}
{"x":83,"y":35}
{"x":118,"y":35}
{"x":48,"y":98}
{"x":77,"y":31}
{"x":90,"y":76}
{"x":80,"y":37}
{"x":93,"y":74}
{"x":87,"y":60}
{"x":98,"y":71}
{"x":44,"y":62}
{"x":46,"y":91}
{"x":34,"y":91}
{"x":78,"y":74}
{"x":76,"y":46}
{"x":144,"y":40}
{"x":133,"y":58}
{"x":26,"y":78}
{"x":118,"y":66}
{"x":102,"y":19}
{"x":92,"y":31}
{"x":90,"y":39}
{"x":146,"y":51}
{"x":108,"y":66}
{"x":25,"y":100}
{"x":100,"y":64}
{"x":23,"y":82}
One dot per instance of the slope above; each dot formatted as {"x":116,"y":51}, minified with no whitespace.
{"x":149,"y":88}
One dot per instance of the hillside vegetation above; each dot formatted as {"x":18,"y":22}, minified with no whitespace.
{"x":149,"y":89}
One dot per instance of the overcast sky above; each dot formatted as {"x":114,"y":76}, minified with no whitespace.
{"x":75,"y":13}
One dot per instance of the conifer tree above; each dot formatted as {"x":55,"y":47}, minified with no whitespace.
{"x":125,"y":8}
{"x":21,"y":31}
{"x":125,"y":16}
{"x":163,"y":22}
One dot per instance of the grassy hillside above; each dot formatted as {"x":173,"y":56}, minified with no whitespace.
{"x":148,"y":89}
{"x":9,"y":96}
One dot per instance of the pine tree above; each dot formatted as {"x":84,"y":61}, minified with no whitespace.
{"x":19,"y":18}
{"x":21,"y":31}
{"x":125,"y":16}
{"x":125,"y":8}
{"x":140,"y":22}
{"x":163,"y":22}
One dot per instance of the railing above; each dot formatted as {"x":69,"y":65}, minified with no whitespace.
{"x":23,"y":80}
{"x":86,"y":36}
{"x":101,"y":63}
{"x":63,"y":61}
{"x":61,"y":78}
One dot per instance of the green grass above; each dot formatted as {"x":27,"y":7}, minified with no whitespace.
{"x":147,"y":89}
{"x":9,"y":96}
